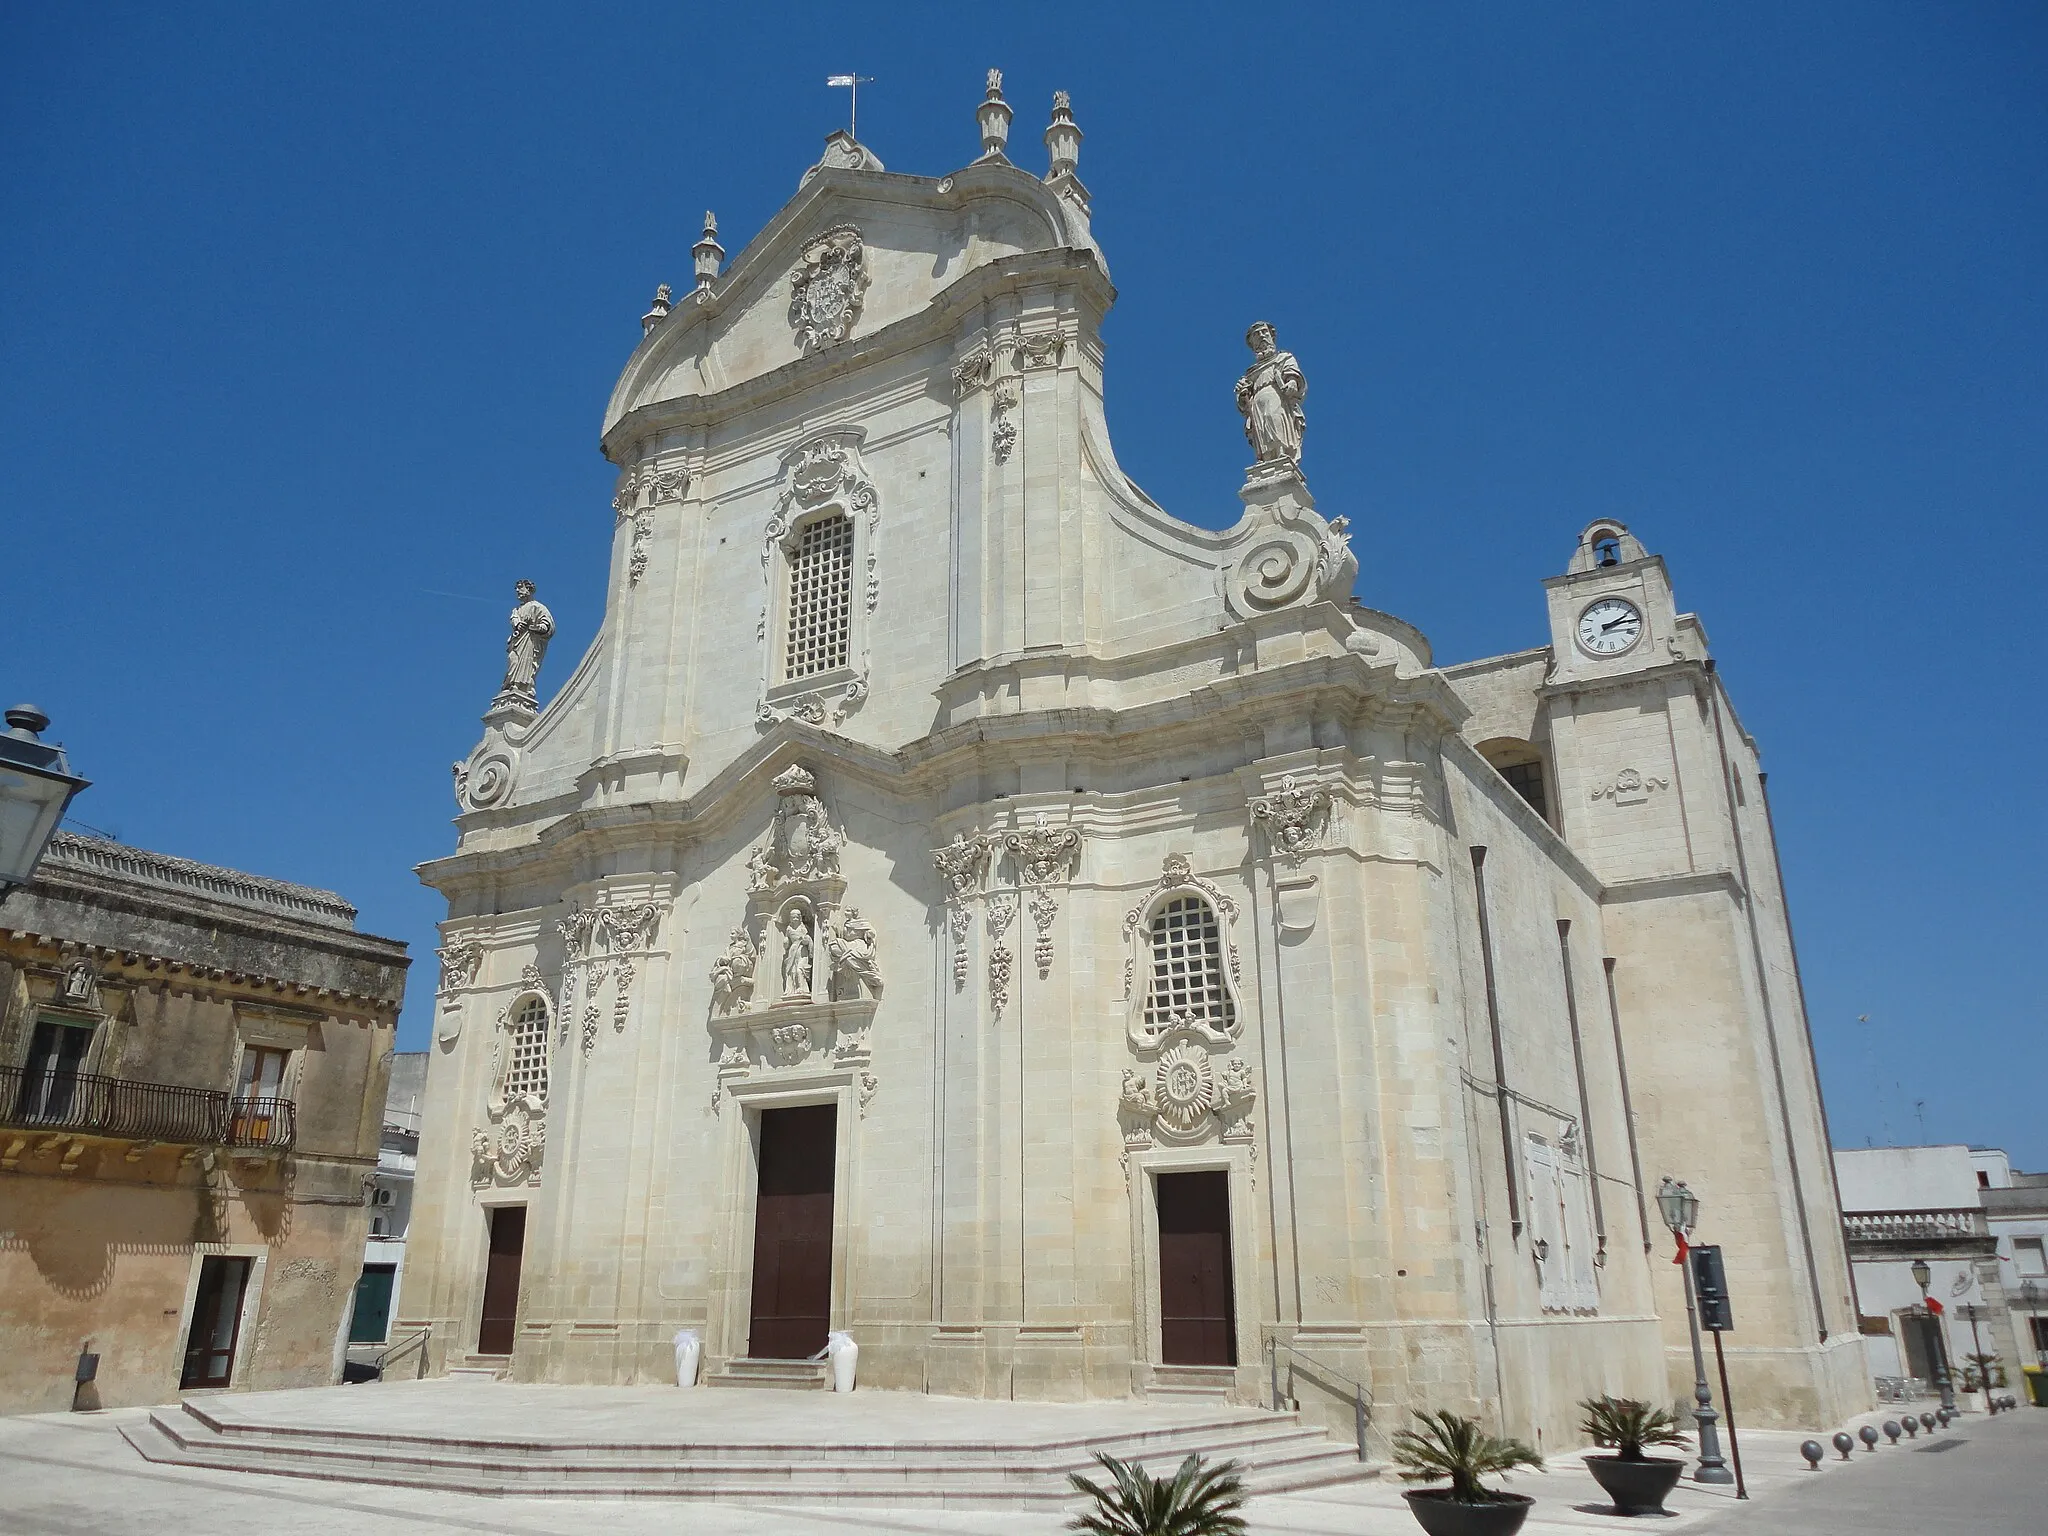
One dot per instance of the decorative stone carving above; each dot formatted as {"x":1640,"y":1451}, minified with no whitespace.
{"x":1002,"y":411}
{"x":1035,"y":352}
{"x":508,"y":1147}
{"x":1630,"y":787}
{"x":1288,"y":555}
{"x":80,"y":986}
{"x":598,"y":942}
{"x":1293,"y":817}
{"x":854,"y":964}
{"x":1269,"y":397}
{"x":792,"y":1043}
{"x":461,"y":962}
{"x":1000,"y":961}
{"x":869,"y":1084}
{"x":1043,"y":910}
{"x":974,"y":371}
{"x":825,"y":289}
{"x":1193,"y":1093}
{"x":1044,"y":853}
{"x":962,"y":863}
{"x":732,"y":975}
{"x":525,"y":648}
{"x":806,"y":844}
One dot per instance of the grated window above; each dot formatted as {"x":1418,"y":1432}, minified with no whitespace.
{"x":1187,"y":966}
{"x":820,"y":598}
{"x":527,"y":1072}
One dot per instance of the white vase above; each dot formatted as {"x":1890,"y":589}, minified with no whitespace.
{"x":689,"y":1350}
{"x":845,"y":1357}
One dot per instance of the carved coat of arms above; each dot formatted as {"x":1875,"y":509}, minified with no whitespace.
{"x":825,"y":288}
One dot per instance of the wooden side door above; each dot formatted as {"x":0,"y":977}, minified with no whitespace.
{"x":792,"y":1301}
{"x":501,"y":1280}
{"x":216,"y":1322}
{"x":1197,"y":1316}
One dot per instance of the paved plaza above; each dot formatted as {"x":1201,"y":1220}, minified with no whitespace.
{"x":75,"y":1475}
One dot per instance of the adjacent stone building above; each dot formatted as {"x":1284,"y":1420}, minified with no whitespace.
{"x":192,"y":1066}
{"x":1075,"y":951}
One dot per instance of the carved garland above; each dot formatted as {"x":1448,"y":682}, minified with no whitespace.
{"x":598,"y":945}
{"x":461,"y":962}
{"x":1045,"y":856}
{"x":640,"y":489}
{"x":962,"y":864}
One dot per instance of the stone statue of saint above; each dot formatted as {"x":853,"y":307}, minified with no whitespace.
{"x":1270,"y":396}
{"x":796,"y":955}
{"x":532,"y":625}
{"x":853,"y":955}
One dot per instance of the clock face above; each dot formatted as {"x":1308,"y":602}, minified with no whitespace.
{"x":1610,"y":626}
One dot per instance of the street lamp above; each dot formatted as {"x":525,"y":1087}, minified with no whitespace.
{"x":1680,"y":1208}
{"x":36,"y":784}
{"x":1921,"y":1275}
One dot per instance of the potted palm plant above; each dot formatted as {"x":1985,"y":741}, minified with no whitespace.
{"x":1637,"y":1483}
{"x":1198,"y":1500}
{"x":1449,"y":1447}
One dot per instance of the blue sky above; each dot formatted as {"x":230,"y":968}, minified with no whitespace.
{"x":308,"y":316}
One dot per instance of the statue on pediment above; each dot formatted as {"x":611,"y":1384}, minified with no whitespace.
{"x":532,"y":627}
{"x":1269,"y":396}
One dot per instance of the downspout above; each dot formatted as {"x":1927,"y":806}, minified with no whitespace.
{"x":1500,"y":1066}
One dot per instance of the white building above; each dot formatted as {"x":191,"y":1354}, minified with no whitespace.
{"x":2016,"y":1210}
{"x":956,"y":901}
{"x":1907,"y":1205}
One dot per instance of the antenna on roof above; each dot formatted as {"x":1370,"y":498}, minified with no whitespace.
{"x":852,"y":83}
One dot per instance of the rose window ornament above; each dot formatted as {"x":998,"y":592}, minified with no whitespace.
{"x":1184,"y":1087}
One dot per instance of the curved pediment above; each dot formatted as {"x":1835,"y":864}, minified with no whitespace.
{"x":852,"y":252}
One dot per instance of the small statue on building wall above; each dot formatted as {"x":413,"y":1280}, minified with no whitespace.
{"x":853,"y":956}
{"x":796,"y":955}
{"x":732,"y":974}
{"x":1269,"y":396}
{"x":532,"y":627}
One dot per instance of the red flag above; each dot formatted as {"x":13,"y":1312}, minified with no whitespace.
{"x":1682,"y":1248}
{"x":1934,"y":1305}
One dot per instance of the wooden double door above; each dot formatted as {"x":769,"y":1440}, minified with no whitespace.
{"x":792,"y":1300}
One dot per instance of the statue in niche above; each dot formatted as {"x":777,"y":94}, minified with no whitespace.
{"x":1269,"y":396}
{"x":532,"y":626}
{"x":853,"y":956}
{"x":796,"y":955}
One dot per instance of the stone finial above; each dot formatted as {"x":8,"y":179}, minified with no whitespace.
{"x":708,"y":253}
{"x":1062,"y":138}
{"x":994,"y":116}
{"x":664,"y":300}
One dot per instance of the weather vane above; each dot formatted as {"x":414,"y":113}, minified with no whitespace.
{"x":853,"y":83}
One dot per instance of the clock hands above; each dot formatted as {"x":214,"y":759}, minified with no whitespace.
{"x":1626,"y":618}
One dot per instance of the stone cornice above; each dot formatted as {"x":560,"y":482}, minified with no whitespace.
{"x":1342,"y":685}
{"x":1699,"y":882}
{"x":937,"y":322}
{"x":1694,"y":672}
{"x":121,"y":966}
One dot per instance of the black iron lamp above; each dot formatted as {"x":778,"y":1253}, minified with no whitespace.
{"x":36,"y":786}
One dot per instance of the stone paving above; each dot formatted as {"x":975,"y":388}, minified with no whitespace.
{"x":73,"y":1475}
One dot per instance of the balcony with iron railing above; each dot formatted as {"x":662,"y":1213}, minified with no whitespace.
{"x":1959,"y":1230}
{"x":88,"y":1104}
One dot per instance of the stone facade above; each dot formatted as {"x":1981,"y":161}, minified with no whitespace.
{"x":194,"y":1061}
{"x":925,"y":767}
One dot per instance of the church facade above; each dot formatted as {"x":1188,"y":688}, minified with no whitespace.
{"x":1073,"y":952}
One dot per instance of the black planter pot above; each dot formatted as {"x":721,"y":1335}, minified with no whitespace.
{"x":1637,"y":1487}
{"x":1437,"y":1513}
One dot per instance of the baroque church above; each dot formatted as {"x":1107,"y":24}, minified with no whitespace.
{"x":1075,"y":953}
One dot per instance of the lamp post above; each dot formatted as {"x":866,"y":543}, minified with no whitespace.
{"x":1680,"y":1208}
{"x":1921,"y":1275}
{"x":36,"y":784}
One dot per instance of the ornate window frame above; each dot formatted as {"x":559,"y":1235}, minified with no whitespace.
{"x":508,"y":1147}
{"x":824,"y":475}
{"x":1177,"y":879}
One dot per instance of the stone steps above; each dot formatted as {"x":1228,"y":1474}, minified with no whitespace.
{"x":1279,"y":1453}
{"x":1192,"y":1383}
{"x":789,"y":1375}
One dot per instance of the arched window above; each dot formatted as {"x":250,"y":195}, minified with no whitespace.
{"x":818,"y":627}
{"x":1187,"y":966}
{"x":526,"y":1062}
